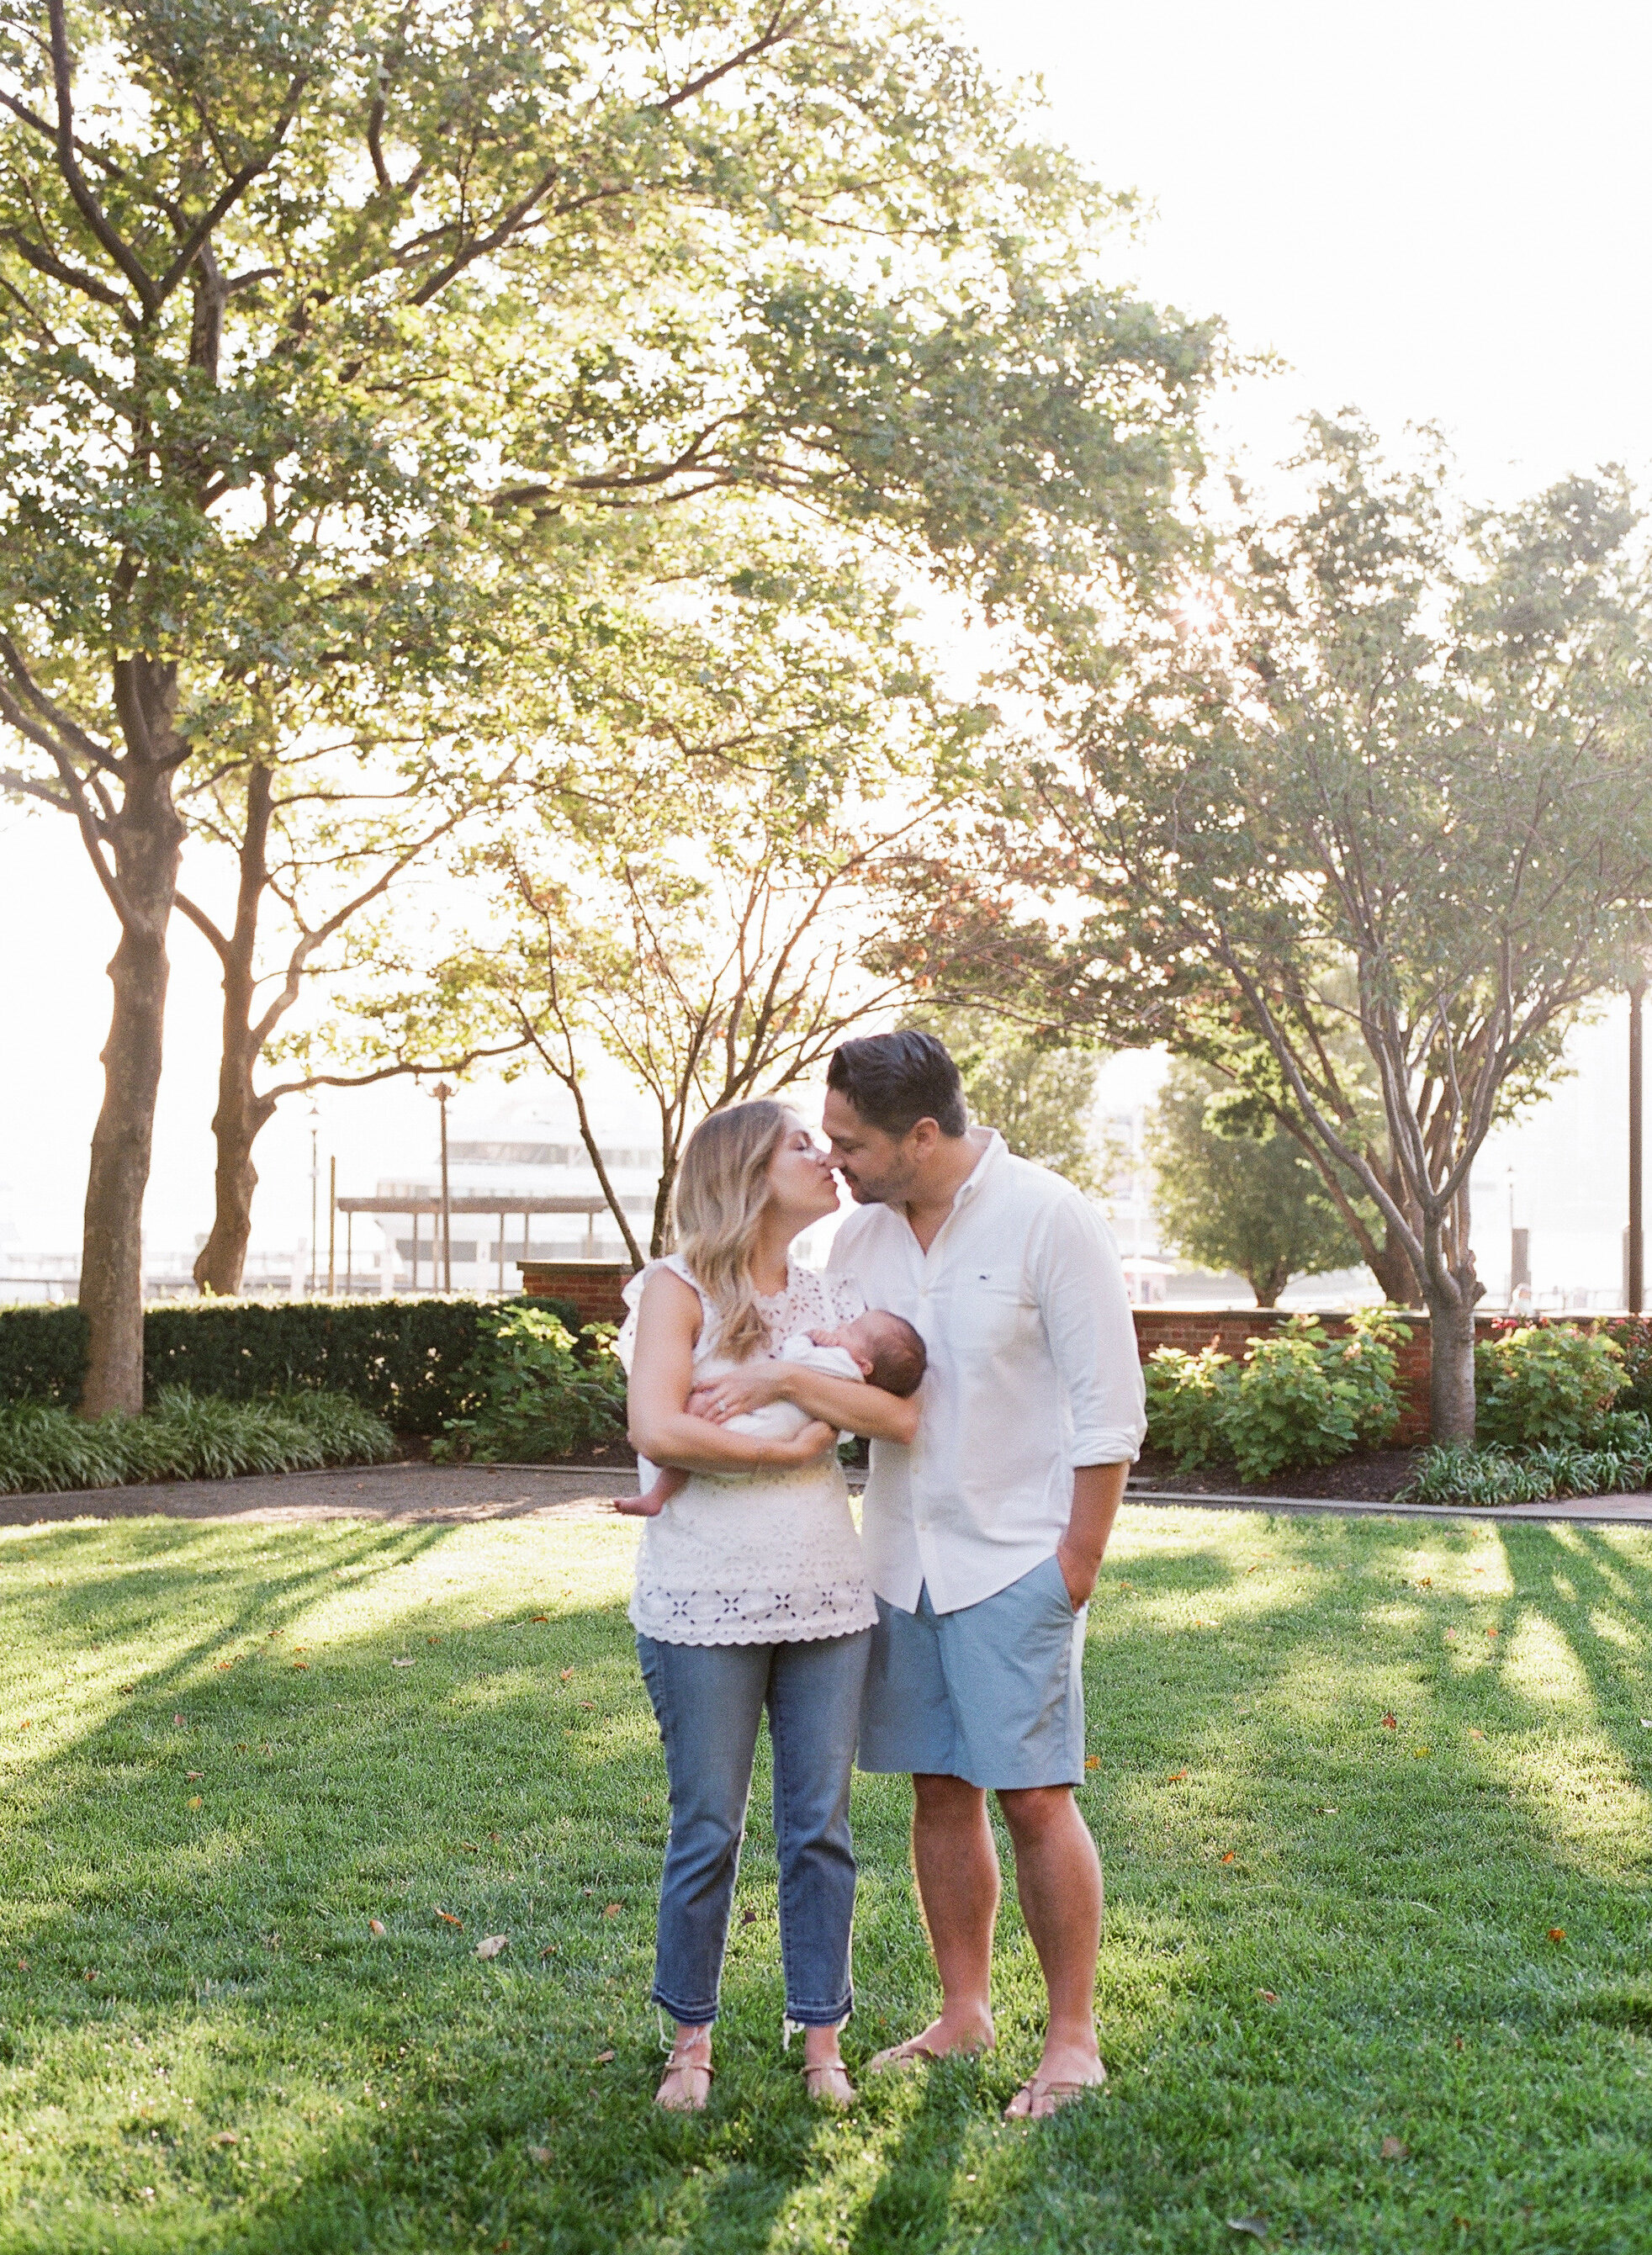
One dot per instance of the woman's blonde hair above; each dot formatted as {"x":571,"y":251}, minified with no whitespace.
{"x":716,"y":1204}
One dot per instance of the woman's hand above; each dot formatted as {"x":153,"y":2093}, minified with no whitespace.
{"x":749,"y":1386}
{"x":815,"y":1440}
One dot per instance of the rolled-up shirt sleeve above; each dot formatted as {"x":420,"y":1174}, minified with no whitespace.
{"x":1077,"y":1276}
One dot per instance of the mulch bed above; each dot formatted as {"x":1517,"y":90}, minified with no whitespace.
{"x":1374,"y":1475}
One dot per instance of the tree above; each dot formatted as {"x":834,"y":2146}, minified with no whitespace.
{"x":1391,"y":778}
{"x":323,"y":848}
{"x":1039,"y":1098}
{"x":1230,"y":1197}
{"x":327,"y":337}
{"x":690,"y":890}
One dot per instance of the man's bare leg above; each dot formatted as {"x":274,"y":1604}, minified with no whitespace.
{"x":957,"y":1869}
{"x":1058,"y":1882}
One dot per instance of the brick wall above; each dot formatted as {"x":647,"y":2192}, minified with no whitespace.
{"x":1232,"y":1328}
{"x":594,"y":1286}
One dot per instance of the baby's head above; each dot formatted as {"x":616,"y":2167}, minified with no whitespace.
{"x":886,"y":1348}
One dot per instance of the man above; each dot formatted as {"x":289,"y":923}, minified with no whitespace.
{"x":983,"y":1539}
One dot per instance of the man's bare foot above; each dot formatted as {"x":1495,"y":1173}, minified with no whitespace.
{"x":637,"y":1506}
{"x":1066,"y":2072}
{"x":943,"y":2039}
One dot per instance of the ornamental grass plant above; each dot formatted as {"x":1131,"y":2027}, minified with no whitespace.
{"x":183,"y":1435}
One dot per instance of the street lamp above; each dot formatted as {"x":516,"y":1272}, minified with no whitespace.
{"x":316,"y":1188}
{"x":442,"y":1095}
{"x":1636,"y":1276}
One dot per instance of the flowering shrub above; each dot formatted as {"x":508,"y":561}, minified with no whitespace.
{"x":1545,"y":1386}
{"x":1300,"y":1397}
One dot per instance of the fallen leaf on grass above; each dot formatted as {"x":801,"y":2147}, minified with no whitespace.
{"x":1477,"y":1734}
{"x":1230,"y":1857}
{"x":491,"y":1945}
{"x":23,"y":1964}
{"x":376,"y":1926}
{"x":1253,"y":2224}
{"x":542,"y":1617}
{"x":1420,"y":1753}
{"x":432,"y":1640}
{"x":404,"y":1661}
{"x":178,"y":1722}
{"x":540,"y":2153}
{"x":225,"y":2138}
{"x":1557,"y":1933}
{"x":1093,"y":1762}
{"x":1493,"y":1632}
{"x":302,"y":1666}
{"x":550,"y":1950}
{"x":602,"y":2059}
{"x":448,"y":1919}
{"x":566,"y":1674}
{"x":1267,"y":1996}
{"x":470,"y":1848}
{"x":1175,"y":1777}
{"x":591,"y":1703}
{"x":1390,"y":1722}
{"x":226,"y":1663}
{"x":190,"y":1775}
{"x":1395,"y":2149}
{"x":612,"y":1910}
{"x":194,"y":1801}
{"x":124,"y":1688}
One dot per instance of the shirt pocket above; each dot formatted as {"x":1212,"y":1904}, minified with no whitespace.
{"x":991,"y":1316}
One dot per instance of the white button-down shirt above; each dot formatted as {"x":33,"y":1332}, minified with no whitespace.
{"x":1033,"y":1370}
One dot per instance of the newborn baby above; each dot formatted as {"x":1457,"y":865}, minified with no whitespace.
{"x":876,"y":1347}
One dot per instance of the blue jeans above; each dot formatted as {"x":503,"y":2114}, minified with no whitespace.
{"x":707,"y":1699}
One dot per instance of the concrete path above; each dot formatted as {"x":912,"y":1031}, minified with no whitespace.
{"x":388,"y":1492}
{"x":460,"y":1492}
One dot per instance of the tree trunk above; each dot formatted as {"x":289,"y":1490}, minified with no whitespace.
{"x":146,"y":836}
{"x":1269,"y":1283}
{"x":242,"y":1113}
{"x":1391,"y":1265}
{"x":1451,"y":1367}
{"x":236,"y":1125}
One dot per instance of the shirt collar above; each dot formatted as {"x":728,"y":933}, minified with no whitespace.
{"x":993,"y":1152}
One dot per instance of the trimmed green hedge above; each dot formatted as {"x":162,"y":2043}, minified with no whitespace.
{"x":403,"y":1359}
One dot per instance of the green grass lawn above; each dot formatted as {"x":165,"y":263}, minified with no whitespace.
{"x":1349,"y":1777}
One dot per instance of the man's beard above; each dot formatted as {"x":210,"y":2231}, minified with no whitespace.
{"x":890,"y":1190}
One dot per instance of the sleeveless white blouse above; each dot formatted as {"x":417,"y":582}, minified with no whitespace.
{"x":773,"y":1557}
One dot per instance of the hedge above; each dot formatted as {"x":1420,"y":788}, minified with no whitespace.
{"x":401,"y":1359}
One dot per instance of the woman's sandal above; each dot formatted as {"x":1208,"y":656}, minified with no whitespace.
{"x":824,"y":2091}
{"x":685,"y":2085}
{"x":1059,"y":2092}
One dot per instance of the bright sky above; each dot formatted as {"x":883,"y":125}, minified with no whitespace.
{"x":1432,"y":212}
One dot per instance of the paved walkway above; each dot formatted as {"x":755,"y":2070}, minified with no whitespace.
{"x":460,"y":1492}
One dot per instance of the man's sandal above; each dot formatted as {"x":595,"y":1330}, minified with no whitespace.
{"x":824,"y":2091}
{"x":1060,"y":2091}
{"x":685,"y":2085}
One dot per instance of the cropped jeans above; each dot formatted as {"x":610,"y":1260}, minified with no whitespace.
{"x":707,"y":1699}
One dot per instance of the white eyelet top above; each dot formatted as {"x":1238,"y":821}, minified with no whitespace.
{"x":772,"y":1558}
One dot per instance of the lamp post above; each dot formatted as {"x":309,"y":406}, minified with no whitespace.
{"x":316,"y":1188}
{"x":442,"y":1093}
{"x":1636,"y":1260}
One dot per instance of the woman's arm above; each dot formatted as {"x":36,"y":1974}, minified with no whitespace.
{"x":845,"y":1402}
{"x":662,"y":1372}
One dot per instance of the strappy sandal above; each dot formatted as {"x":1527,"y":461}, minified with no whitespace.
{"x":686,"y":2085}
{"x":1059,"y":2090}
{"x":822,"y":2091}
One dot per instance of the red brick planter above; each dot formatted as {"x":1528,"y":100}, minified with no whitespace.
{"x":594,"y":1286}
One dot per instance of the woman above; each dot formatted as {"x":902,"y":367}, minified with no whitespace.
{"x":750,"y":1589}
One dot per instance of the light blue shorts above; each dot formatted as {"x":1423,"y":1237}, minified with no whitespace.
{"x":993,"y":1693}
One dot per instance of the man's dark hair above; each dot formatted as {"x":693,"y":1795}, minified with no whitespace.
{"x":894,"y":1080}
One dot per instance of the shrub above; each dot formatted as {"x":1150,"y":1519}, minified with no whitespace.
{"x":1184,"y":1395}
{"x":1632,"y":1336}
{"x":401,"y":1359}
{"x":1545,"y":1386}
{"x":42,"y":1354}
{"x":45,"y":1449}
{"x":538,"y":1392}
{"x":1299,"y":1397}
